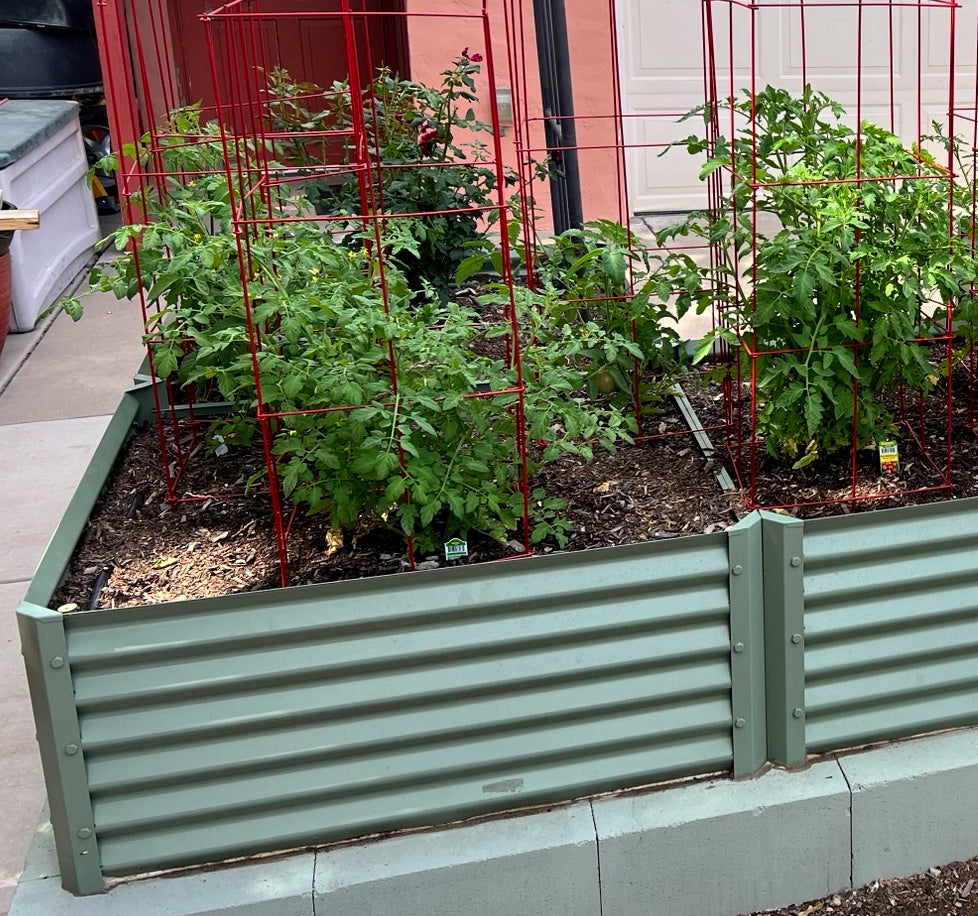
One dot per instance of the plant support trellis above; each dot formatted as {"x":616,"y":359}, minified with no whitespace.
{"x":298,"y":260}
{"x":607,"y":263}
{"x":836,"y":259}
{"x":301,"y":250}
{"x":965,"y":152}
{"x":401,"y":393}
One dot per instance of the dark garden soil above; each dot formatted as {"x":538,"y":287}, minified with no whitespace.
{"x":948,"y":891}
{"x":825,"y":486}
{"x":140,"y":550}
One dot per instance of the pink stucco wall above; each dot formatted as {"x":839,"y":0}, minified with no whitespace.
{"x":438,"y":33}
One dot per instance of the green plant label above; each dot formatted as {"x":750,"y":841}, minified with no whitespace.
{"x":889,"y":457}
{"x":456,"y":549}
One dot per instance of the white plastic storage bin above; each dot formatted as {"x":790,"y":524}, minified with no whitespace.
{"x":43,"y":167}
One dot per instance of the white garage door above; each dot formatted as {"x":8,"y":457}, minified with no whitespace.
{"x":663,"y":75}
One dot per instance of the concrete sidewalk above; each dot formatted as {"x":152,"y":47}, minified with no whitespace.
{"x":59,"y":384}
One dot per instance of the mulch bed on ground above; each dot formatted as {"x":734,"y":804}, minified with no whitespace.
{"x":948,"y":891}
{"x":153,"y":552}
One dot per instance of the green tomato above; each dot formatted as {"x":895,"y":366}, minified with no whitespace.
{"x":605,"y":382}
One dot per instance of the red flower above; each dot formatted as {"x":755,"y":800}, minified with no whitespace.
{"x":470,"y":58}
{"x":426,"y":138}
{"x":476,"y":58}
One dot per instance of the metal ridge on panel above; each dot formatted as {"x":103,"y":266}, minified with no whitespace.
{"x":888,"y":722}
{"x":349,"y":736}
{"x":950,"y":674}
{"x":914,"y":562}
{"x":333,"y":773}
{"x":917,"y":603}
{"x":573,"y":620}
{"x":243,"y":753}
{"x":295,"y":799}
{"x":399,"y":690}
{"x":885,"y":532}
{"x":889,"y":650}
{"x":134,"y":729}
{"x":234,"y":671}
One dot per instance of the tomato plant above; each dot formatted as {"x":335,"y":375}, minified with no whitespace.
{"x":393,"y":408}
{"x":425,"y":143}
{"x":839,"y":283}
{"x":601,"y":274}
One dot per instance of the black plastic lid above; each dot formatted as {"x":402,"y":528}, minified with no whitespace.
{"x":53,"y":14}
{"x":45,"y":63}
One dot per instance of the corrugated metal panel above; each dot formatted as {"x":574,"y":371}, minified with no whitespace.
{"x":891,"y":623}
{"x":212,"y":729}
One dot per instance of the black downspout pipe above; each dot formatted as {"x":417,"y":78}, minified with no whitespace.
{"x":551,"y":127}
{"x":568,"y":126}
{"x":560,"y":130}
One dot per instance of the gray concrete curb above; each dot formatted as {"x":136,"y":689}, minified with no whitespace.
{"x":716,"y":848}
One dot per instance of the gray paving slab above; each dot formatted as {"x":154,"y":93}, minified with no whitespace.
{"x":720,"y":848}
{"x":42,"y":856}
{"x":42,"y":463}
{"x":16,"y":349}
{"x":544,"y":863}
{"x":22,"y":788}
{"x":914,"y":805}
{"x":80,"y":369}
{"x":19,"y":347}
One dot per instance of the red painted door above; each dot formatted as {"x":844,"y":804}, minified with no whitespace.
{"x":312,"y":48}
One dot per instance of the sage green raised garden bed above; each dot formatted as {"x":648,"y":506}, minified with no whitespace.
{"x":202,"y":730}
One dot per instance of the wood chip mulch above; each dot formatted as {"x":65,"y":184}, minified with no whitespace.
{"x":951,"y":890}
{"x":140,"y":550}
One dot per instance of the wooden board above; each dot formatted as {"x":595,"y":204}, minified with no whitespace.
{"x":19,"y":219}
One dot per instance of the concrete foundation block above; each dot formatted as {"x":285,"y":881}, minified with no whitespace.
{"x":266,"y":887}
{"x":543,"y":863}
{"x":722,"y":848}
{"x":914,"y":805}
